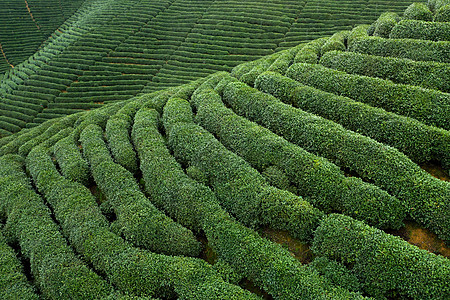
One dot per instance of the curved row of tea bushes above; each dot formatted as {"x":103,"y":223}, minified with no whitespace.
{"x":324,"y":185}
{"x":71,"y":163}
{"x":47,"y":135}
{"x":55,"y":267}
{"x":138,"y":221}
{"x":421,"y":143}
{"x":13,"y":283}
{"x":382,"y":27}
{"x":385,"y":265}
{"x":427,"y":74}
{"x":130,"y":269}
{"x":194,"y":205}
{"x":419,"y":50}
{"x":418,"y":11}
{"x":412,"y":29}
{"x":425,"y":197}
{"x":240,"y":188}
{"x":118,"y":129}
{"x":428,"y":106}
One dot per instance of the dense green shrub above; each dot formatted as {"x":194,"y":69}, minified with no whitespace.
{"x":310,"y":52}
{"x":336,"y":42}
{"x":130,"y":269}
{"x":427,"y":74}
{"x":70,"y":160}
{"x":420,"y":50}
{"x":117,"y":133}
{"x":239,"y":188}
{"x":336,"y":272}
{"x":55,"y":132}
{"x":419,"y":142}
{"x":442,"y":14}
{"x":385,"y":265}
{"x":324,"y":185}
{"x":383,"y":25}
{"x":196,"y":206}
{"x":13,"y":283}
{"x":428,"y":106}
{"x":137,"y":219}
{"x":418,"y":11}
{"x":412,"y":29}
{"x":55,"y":268}
{"x":425,"y":196}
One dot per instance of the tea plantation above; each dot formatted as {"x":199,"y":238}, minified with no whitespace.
{"x":148,"y":147}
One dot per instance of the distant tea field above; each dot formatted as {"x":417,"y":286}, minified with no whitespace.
{"x":228,"y":150}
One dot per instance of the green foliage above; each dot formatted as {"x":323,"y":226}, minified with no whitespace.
{"x":424,"y":196}
{"x":55,"y":267}
{"x":385,"y":265}
{"x":137,"y":219}
{"x":70,"y":161}
{"x":310,"y":52}
{"x":442,"y":14}
{"x":239,"y":187}
{"x":428,"y":106}
{"x":419,"y":142}
{"x":420,"y":50}
{"x":412,"y":29}
{"x":336,"y":42}
{"x":336,"y":272}
{"x":243,"y":252}
{"x":418,"y":11}
{"x":130,"y":269}
{"x":427,"y":74}
{"x":384,"y":24}
{"x":13,"y":283}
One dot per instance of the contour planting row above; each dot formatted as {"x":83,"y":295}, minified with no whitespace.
{"x":288,"y":166}
{"x":194,"y":205}
{"x":418,"y":141}
{"x":425,"y":196}
{"x":130,"y":269}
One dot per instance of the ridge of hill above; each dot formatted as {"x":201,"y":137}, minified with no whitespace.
{"x":168,"y":194}
{"x":113,"y":50}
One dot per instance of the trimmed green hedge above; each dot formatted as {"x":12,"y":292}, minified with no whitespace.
{"x":419,"y":142}
{"x":386,"y":265}
{"x":239,"y":187}
{"x":53,"y":133}
{"x":383,"y":25}
{"x":412,"y":29}
{"x":428,"y":106}
{"x":310,"y":52}
{"x":137,"y":219}
{"x":420,"y":50}
{"x":117,"y":132}
{"x":442,"y":14}
{"x":130,"y":269}
{"x":425,"y":197}
{"x":336,"y":272}
{"x":324,"y":185}
{"x":70,"y":160}
{"x":13,"y":283}
{"x":55,"y":267}
{"x":194,"y":205}
{"x":418,"y":11}
{"x":428,"y":74}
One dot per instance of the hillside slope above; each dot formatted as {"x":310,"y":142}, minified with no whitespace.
{"x":321,"y":142}
{"x":113,"y":50}
{"x":25,"y":25}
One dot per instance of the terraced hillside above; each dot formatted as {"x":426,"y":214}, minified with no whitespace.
{"x":175,"y":193}
{"x":111,"y":50}
{"x":26,"y":24}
